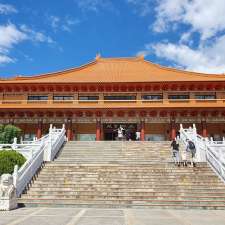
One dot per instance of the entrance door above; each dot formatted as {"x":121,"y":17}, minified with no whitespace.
{"x":111,"y":131}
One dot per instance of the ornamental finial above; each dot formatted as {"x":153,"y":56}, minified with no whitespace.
{"x":141,"y":56}
{"x":98,"y":56}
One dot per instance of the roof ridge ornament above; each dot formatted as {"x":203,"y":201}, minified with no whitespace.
{"x":98,"y":56}
{"x":141,"y":56}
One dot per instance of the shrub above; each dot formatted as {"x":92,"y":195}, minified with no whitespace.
{"x":8,"y":159}
{"x":8,"y":133}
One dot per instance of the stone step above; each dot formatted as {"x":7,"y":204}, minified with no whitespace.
{"x":128,"y":192}
{"x":34,"y":203}
{"x":136,"y":185}
{"x":185,"y":202}
{"x":124,"y":176}
{"x":150,"y":183}
{"x":138,"y":166}
{"x":152,"y":172}
{"x":126,"y":198}
{"x":128,"y":178}
{"x":126,"y":189}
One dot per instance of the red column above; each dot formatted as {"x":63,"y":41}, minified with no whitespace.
{"x":173,"y":130}
{"x":142,"y":131}
{"x":69,"y":132}
{"x":98,"y":131}
{"x":39,"y":130}
{"x":204,"y":129}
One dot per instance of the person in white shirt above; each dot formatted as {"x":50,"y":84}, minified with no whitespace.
{"x":184,"y":158}
{"x":120,"y":133}
{"x":138,"y":135}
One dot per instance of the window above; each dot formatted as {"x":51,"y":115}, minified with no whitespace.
{"x":178,"y":97}
{"x":120,"y":97}
{"x":88,"y":98}
{"x":205,"y":97}
{"x":151,"y":97}
{"x":62,"y":98}
{"x":37,"y":98}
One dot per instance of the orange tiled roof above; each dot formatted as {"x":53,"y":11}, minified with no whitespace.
{"x":116,"y":70}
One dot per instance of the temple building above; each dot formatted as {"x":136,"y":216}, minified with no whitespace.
{"x":93,"y":100}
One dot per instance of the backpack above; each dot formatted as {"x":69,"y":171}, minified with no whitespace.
{"x":191,"y":145}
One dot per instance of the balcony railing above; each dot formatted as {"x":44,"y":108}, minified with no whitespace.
{"x":163,"y":103}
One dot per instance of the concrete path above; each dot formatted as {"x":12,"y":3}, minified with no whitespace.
{"x":73,"y":216}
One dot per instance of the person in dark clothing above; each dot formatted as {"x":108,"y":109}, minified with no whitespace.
{"x":192,"y":149}
{"x":175,"y":152}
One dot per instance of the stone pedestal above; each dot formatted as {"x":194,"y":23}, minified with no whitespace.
{"x":8,"y":199}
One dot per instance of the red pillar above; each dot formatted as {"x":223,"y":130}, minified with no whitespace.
{"x":142,"y":131}
{"x":204,"y":129}
{"x":69,"y":132}
{"x":98,"y":131}
{"x":173,"y":130}
{"x":39,"y":130}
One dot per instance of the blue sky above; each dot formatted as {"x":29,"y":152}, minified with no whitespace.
{"x":48,"y":35}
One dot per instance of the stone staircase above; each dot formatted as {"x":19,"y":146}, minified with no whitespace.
{"x":123,"y":174}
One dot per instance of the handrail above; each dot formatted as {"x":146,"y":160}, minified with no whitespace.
{"x":212,"y":152}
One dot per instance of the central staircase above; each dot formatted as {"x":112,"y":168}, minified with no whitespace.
{"x":123,"y":174}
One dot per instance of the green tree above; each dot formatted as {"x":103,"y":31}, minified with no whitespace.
{"x":8,"y":133}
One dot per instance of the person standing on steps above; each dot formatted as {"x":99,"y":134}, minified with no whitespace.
{"x":184,"y":157}
{"x":192,"y":149}
{"x":175,"y":152}
{"x":120,"y":133}
{"x":138,"y":135}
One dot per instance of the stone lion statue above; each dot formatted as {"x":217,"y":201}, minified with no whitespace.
{"x":7,"y":193}
{"x":7,"y":188}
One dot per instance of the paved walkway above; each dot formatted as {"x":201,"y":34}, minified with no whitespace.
{"x":73,"y":216}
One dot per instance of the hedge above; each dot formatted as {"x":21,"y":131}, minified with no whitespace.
{"x":8,"y":159}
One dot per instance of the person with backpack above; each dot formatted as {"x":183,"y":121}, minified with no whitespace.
{"x":175,"y":152}
{"x":192,"y":149}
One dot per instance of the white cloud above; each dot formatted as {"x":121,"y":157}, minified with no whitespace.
{"x":7,"y":9}
{"x":94,"y":5}
{"x":206,"y":17}
{"x":207,"y":58}
{"x":4,"y":59}
{"x":142,"y":7}
{"x":203,"y":17}
{"x":54,"y":22}
{"x":11,"y":35}
{"x":36,"y":36}
{"x":64,"y":24}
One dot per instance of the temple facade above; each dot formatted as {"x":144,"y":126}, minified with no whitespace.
{"x":93,"y":100}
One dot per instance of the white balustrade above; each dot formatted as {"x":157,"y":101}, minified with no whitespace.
{"x":35,"y":152}
{"x":207,"y":150}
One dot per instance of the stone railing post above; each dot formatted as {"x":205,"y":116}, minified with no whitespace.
{"x":211,"y":140}
{"x":21,"y":140}
{"x":50,"y":143}
{"x":195,"y":139}
{"x":14,"y":144}
{"x":15,"y":175}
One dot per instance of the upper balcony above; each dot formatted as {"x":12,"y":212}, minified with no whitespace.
{"x":92,"y":104}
